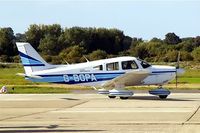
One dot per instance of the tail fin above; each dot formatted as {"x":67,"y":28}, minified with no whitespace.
{"x":31,"y":60}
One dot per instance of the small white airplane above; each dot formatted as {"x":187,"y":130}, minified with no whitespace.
{"x":105,"y":74}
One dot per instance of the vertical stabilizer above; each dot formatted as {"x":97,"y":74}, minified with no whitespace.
{"x":31,"y":60}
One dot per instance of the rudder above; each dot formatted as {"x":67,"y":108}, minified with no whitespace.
{"x":31,"y":60}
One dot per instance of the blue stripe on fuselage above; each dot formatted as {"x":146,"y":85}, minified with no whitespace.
{"x":77,"y":78}
{"x":162,"y":71}
{"x":81,"y":77}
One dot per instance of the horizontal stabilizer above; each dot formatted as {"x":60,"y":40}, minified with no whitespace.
{"x":29,"y":76}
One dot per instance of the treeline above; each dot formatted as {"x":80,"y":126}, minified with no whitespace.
{"x":58,"y":45}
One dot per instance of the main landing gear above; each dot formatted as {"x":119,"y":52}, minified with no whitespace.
{"x":111,"y":96}
{"x":160,"y":92}
{"x":125,"y":94}
{"x":121,"y":93}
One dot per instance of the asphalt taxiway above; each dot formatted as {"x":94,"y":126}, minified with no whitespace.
{"x":180,"y":113}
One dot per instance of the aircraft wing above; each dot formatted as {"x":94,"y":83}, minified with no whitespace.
{"x":131,"y":78}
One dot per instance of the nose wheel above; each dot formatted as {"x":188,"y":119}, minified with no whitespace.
{"x":163,"y":96}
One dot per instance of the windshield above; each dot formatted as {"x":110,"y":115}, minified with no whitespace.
{"x":144,"y":64}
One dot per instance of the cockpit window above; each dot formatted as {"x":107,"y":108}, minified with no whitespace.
{"x":144,"y":64}
{"x":112,"y":66}
{"x":129,"y":65}
{"x":98,"y":68}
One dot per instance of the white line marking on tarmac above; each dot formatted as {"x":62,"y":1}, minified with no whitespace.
{"x":125,"y":110}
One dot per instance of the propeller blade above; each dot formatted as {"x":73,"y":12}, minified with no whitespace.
{"x":178,"y":60}
{"x":176,"y":79}
{"x":177,"y":67}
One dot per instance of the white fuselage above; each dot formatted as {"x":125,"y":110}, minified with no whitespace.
{"x":97,"y":73}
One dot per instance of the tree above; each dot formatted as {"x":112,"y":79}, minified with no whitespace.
{"x":156,"y":40}
{"x":126,"y":44}
{"x":196,"y":53}
{"x":186,"y":45}
{"x":97,"y":55}
{"x":171,"y":56}
{"x":73,"y":54}
{"x":197,"y":41}
{"x":76,"y":36}
{"x":49,"y":45}
{"x":52,"y":30}
{"x":140,"y":51}
{"x":34,"y":35}
{"x":96,"y":43}
{"x":20,"y":37}
{"x":7,"y":42}
{"x":185,"y":56}
{"x":172,"y":38}
{"x":136,"y":41}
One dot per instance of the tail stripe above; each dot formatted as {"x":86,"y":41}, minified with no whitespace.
{"x":33,"y":65}
{"x":26,"y":56}
{"x":29,"y":61}
{"x":30,"y":58}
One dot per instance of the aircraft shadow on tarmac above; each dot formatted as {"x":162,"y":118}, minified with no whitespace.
{"x":46,"y":130}
{"x":50,"y":128}
{"x":156,"y":98}
{"x":143,"y":98}
{"x":70,"y":99}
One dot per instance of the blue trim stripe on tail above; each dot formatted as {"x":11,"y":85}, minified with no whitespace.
{"x":29,"y":61}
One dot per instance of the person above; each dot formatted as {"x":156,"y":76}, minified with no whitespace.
{"x":3,"y":89}
{"x":127,"y":65}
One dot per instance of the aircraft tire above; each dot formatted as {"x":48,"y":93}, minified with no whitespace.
{"x":112,"y":97}
{"x":163,"y":96}
{"x":123,"y":98}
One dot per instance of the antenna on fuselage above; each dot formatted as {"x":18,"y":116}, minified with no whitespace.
{"x":85,"y":58}
{"x":66,"y":62}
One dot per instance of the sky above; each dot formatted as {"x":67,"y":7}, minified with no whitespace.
{"x":136,"y":18}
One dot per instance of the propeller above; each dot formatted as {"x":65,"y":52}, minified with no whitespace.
{"x":177,"y":67}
